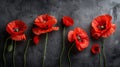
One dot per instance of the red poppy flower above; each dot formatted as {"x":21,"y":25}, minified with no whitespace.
{"x":16,"y":29}
{"x":67,"y":21}
{"x":44,"y":24}
{"x":36,"y":39}
{"x":80,"y":37}
{"x":102,"y":26}
{"x":95,"y":49}
{"x":45,"y":21}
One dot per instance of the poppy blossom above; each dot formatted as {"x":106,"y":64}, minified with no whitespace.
{"x":16,"y":29}
{"x":80,"y":37}
{"x":67,"y":21}
{"x":45,"y":21}
{"x":102,"y":26}
{"x":95,"y":49}
{"x":44,"y":24}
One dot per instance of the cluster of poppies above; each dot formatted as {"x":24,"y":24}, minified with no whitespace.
{"x":101,"y":26}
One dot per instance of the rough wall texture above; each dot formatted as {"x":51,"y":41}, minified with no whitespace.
{"x":82,"y":11}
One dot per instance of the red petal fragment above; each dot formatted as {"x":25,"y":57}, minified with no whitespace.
{"x":36,"y":40}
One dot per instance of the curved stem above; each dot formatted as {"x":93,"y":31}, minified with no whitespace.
{"x":44,"y":56}
{"x":63,"y":47}
{"x":26,"y":52}
{"x":4,"y":59}
{"x":14,"y":54}
{"x":69,"y":54}
{"x":104,"y":56}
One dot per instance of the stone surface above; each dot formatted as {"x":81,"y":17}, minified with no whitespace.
{"x":82,"y":11}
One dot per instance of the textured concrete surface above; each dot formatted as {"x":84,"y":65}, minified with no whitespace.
{"x":82,"y":11}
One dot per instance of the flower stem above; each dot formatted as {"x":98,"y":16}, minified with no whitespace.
{"x":26,"y":52}
{"x":69,"y":54}
{"x":10,"y":47}
{"x":4,"y":59}
{"x":63,"y":47}
{"x":104,"y":56}
{"x":14,"y":54}
{"x":44,"y":56}
{"x":100,"y":55}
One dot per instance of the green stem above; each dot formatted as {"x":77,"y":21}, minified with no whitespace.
{"x":69,"y":54}
{"x":26,"y":52}
{"x":63,"y":47}
{"x":14,"y":54}
{"x":4,"y":59}
{"x":104,"y":56}
{"x":10,"y":47}
{"x":44,"y":56}
{"x":100,"y":55}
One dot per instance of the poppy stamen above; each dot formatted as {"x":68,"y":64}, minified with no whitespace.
{"x":44,"y":21}
{"x":78,"y":37}
{"x":102,"y":27}
{"x":16,"y":30}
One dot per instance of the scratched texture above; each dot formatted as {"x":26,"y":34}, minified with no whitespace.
{"x":82,"y":11}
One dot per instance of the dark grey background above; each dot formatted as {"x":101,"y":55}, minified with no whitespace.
{"x":82,"y":11}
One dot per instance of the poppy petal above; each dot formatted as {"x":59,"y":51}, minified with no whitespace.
{"x":18,"y":37}
{"x":39,"y":31}
{"x":110,"y":31}
{"x":70,"y":36}
{"x":51,"y":22}
{"x":85,"y":43}
{"x":95,"y":34}
{"x":108,"y":17}
{"x":79,"y":48}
